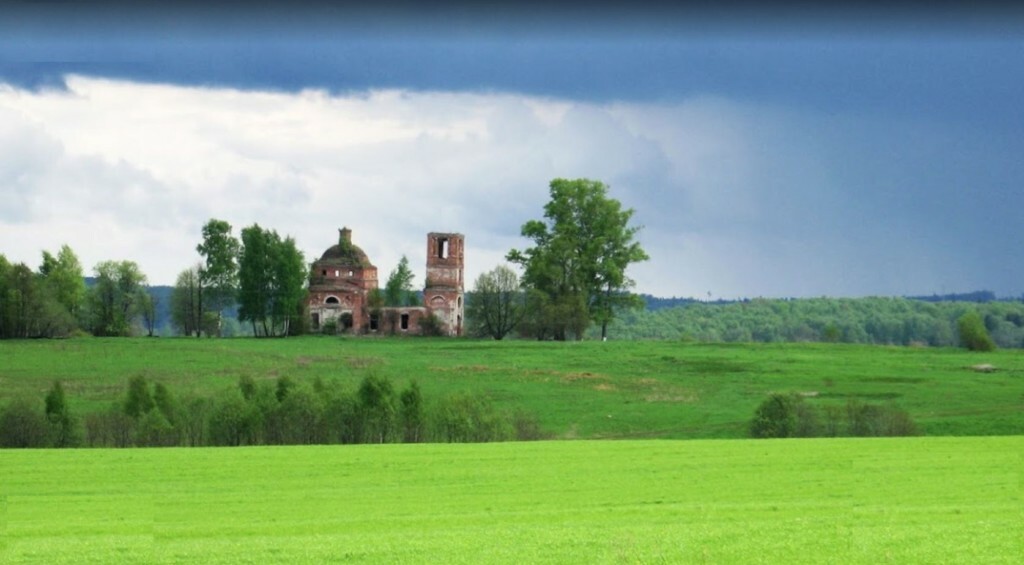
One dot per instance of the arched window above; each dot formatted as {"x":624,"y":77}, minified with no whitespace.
{"x":331,"y":300}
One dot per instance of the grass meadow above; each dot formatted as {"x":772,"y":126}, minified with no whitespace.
{"x":892,"y":500}
{"x":651,"y":498}
{"x":581,"y":390}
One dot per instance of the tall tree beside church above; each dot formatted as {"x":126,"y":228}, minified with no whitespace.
{"x":272,"y":275}
{"x":581,"y":252}
{"x":219,"y":273}
{"x":254,"y":278}
{"x":398,"y":289}
{"x":290,"y":278}
{"x":498,"y":303}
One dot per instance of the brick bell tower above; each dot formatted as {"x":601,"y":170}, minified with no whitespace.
{"x":444,"y":294}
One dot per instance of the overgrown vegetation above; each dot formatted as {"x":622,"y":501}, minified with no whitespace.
{"x":788,"y":415}
{"x":280,"y":412}
{"x":54,"y":301}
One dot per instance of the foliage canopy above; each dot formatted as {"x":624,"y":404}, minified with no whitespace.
{"x":579,"y":258}
{"x":498,"y":303}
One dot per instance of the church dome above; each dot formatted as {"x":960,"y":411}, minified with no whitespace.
{"x":345,"y":252}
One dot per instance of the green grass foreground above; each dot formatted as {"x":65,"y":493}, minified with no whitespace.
{"x":587,"y":390}
{"x":898,"y":500}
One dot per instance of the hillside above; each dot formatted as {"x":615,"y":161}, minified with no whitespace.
{"x":873,"y":320}
{"x":589,"y":389}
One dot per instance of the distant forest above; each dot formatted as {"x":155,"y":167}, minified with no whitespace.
{"x":923,"y":320}
{"x":915,"y":320}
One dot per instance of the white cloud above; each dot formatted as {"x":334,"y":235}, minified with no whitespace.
{"x":738,"y":199}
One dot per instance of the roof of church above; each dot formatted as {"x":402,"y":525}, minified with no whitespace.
{"x":345,"y":252}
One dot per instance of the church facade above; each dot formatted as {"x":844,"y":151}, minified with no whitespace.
{"x":343,"y":283}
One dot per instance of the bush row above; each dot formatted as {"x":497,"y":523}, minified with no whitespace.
{"x":280,"y":412}
{"x":788,"y":415}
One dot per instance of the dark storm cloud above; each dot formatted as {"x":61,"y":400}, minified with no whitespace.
{"x":788,"y":150}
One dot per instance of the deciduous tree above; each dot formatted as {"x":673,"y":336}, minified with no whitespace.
{"x":272,"y":276}
{"x":219,"y":272}
{"x":186,"y":307}
{"x":116,"y":297}
{"x":64,"y":275}
{"x":581,"y":252}
{"x":411,"y":413}
{"x":58,"y":415}
{"x":377,"y":408}
{"x":498,"y":303}
{"x":398,"y":289}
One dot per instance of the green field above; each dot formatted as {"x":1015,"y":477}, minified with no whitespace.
{"x":584,"y":390}
{"x":898,"y":500}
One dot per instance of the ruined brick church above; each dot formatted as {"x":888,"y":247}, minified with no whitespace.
{"x":342,"y":280}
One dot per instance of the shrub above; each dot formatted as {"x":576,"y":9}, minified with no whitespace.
{"x":377,"y":409}
{"x":192,"y":423}
{"x":527,"y":427}
{"x":231,"y":421}
{"x":973,"y":333}
{"x":782,"y":415}
{"x":63,"y":426}
{"x":23,"y":425}
{"x":301,"y":417}
{"x":466,"y":418}
{"x":138,"y":400}
{"x":411,"y":413}
{"x":775,"y":417}
{"x":807,"y":421}
{"x":330,"y":327}
{"x":153,"y":430}
{"x":110,"y":428}
{"x":430,"y":326}
{"x":872,"y":420}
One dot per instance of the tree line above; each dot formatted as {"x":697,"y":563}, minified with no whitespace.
{"x":54,"y":301}
{"x":279,"y":412}
{"x":263,"y":274}
{"x":876,"y":320}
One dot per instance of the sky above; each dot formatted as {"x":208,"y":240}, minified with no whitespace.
{"x":775,"y":152}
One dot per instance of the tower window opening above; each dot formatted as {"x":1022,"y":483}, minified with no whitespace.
{"x":442,"y":248}
{"x":405,"y":321}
